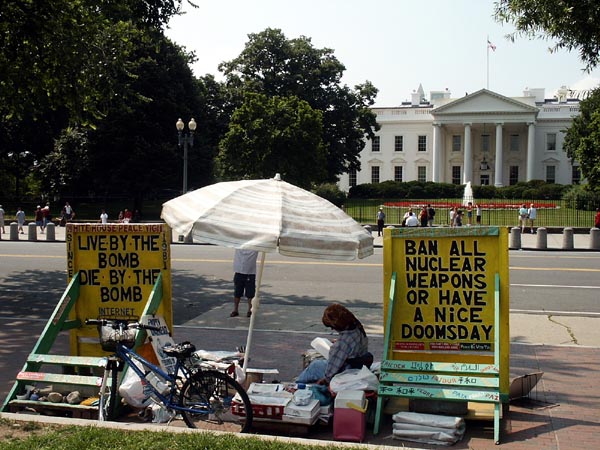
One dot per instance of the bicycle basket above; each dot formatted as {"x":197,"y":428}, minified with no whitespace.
{"x":109,"y":337}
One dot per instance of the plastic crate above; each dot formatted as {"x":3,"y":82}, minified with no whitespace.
{"x":273,"y":412}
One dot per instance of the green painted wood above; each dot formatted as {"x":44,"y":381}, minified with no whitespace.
{"x":386,"y":347}
{"x":388,"y":322}
{"x":53,"y":327}
{"x":437,"y":379}
{"x":451,"y":367}
{"x":152,"y":305}
{"x":59,"y":378}
{"x":35,"y":403}
{"x":444,"y":380}
{"x":89,"y":361}
{"x":58,"y":317}
{"x":441,"y":393}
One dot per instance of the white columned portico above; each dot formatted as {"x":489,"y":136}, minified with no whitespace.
{"x":530,"y":151}
{"x":498,"y":172}
{"x":437,"y":151}
{"x":468,"y":160}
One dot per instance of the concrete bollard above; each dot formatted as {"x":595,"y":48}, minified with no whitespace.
{"x":595,"y":239}
{"x":51,"y":232}
{"x":14,"y":231}
{"x":542,"y":239}
{"x":515,"y":238}
{"x":567,"y":243}
{"x":32,"y":231}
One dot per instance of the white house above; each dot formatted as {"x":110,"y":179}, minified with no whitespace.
{"x":483,"y":137}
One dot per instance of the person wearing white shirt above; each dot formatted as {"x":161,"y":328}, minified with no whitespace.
{"x":412,"y":221}
{"x":104,"y":217}
{"x":244,"y":279}
{"x":532,"y":214}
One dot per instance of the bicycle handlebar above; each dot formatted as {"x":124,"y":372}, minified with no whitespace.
{"x":121,"y":323}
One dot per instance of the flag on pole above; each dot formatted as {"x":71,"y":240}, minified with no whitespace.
{"x":490,"y":45}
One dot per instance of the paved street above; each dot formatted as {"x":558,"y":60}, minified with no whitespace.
{"x":555,"y":324}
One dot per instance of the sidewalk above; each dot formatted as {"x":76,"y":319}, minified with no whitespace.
{"x":560,"y":413}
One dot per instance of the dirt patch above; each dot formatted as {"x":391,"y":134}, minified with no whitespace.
{"x":21,"y":430}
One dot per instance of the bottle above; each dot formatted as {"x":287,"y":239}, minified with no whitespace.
{"x":157,"y":383}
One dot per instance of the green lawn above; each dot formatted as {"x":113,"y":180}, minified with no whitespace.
{"x":27,"y":436}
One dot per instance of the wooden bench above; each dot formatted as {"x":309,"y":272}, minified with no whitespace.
{"x":441,"y":381}
{"x":436,"y":380}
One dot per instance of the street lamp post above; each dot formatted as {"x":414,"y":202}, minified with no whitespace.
{"x":185,"y":139}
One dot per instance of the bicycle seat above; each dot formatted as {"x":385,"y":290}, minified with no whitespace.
{"x":182,"y":350}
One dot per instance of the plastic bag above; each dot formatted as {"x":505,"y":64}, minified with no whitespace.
{"x":133,"y":390}
{"x":321,"y":393}
{"x":160,"y":414}
{"x":354,"y":379}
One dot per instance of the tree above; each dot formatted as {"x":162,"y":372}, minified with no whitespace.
{"x":81,"y":64}
{"x":134,"y":148}
{"x":269,"y":135}
{"x":272,"y":65}
{"x":575,"y":24}
{"x":582,"y":140}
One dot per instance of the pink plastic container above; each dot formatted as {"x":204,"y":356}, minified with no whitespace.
{"x":349,"y":417}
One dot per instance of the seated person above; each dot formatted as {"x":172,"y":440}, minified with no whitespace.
{"x":350,"y":350}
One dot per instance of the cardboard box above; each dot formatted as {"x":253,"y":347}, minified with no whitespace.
{"x":307,"y":411}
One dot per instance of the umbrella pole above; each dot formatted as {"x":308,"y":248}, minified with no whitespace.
{"x":255,"y":305}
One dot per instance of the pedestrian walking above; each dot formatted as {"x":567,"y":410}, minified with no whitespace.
{"x":431,"y":215}
{"x":423,"y":216}
{"x":20,"y":217}
{"x":39,"y":218}
{"x":1,"y":220}
{"x":523,"y":217}
{"x":244,"y":279}
{"x":478,"y":214}
{"x":380,"y":221}
{"x":469,"y":214}
{"x":532,"y":215}
{"x":103,"y":217}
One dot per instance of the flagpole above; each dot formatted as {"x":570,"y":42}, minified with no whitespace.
{"x":488,"y":63}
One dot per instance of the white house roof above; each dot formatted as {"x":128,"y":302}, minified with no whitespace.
{"x":479,"y":106}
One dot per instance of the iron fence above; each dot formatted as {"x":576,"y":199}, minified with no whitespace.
{"x":500,"y":212}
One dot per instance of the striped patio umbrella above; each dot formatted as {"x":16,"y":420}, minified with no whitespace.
{"x":267,"y":216}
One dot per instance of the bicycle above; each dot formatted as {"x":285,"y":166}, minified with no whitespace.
{"x":205,"y":398}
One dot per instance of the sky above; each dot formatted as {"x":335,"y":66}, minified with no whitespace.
{"x":395,"y":44}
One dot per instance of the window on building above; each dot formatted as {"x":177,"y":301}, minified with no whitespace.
{"x":513,"y":175}
{"x":456,"y":143}
{"x":398,"y":173}
{"x":398,"y":143}
{"x":352,"y":177}
{"x":551,"y":142}
{"x":375,"y":174}
{"x":375,"y":144}
{"x":456,"y":178}
{"x":422,"y":145}
{"x":575,"y":175}
{"x":484,"y":179}
{"x":422,"y":174}
{"x":514,"y":142}
{"x":485,"y":142}
{"x":550,"y":174}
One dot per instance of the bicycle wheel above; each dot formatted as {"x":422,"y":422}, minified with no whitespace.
{"x":109,"y":394}
{"x":212,"y":393}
